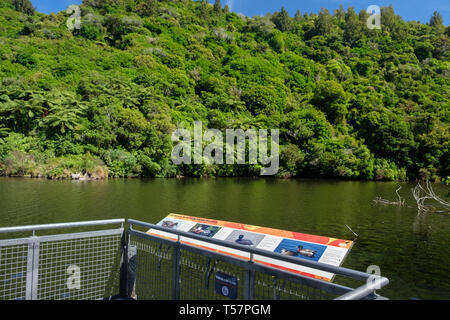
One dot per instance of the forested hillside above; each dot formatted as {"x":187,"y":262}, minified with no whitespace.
{"x":350,"y":102}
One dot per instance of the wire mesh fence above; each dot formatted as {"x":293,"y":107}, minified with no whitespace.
{"x":153,"y":269}
{"x":199,"y":271}
{"x":79,"y":269}
{"x":110,"y":263}
{"x":272,"y":287}
{"x":13,"y":271}
{"x":76,"y":266}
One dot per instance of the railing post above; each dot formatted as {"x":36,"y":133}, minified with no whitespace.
{"x":30,"y":259}
{"x":35,"y":267}
{"x":176,"y":271}
{"x":124,"y":266}
{"x":249,"y":280}
{"x":249,"y":289}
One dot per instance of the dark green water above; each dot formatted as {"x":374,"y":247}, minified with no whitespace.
{"x":412,"y":250}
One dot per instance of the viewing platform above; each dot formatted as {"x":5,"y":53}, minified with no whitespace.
{"x":120,"y":259}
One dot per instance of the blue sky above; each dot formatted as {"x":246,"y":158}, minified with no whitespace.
{"x":409,"y":9}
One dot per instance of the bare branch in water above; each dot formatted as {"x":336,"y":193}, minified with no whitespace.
{"x":356,"y":235}
{"x":421,"y":194}
{"x":400,"y":202}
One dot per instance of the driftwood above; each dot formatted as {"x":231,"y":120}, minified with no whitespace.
{"x":400,"y":202}
{"x":422,"y":194}
{"x":356,"y":235}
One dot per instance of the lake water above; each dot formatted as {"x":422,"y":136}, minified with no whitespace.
{"x":411,"y":250}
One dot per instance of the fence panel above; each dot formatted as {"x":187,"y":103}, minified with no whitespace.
{"x":196,"y":277}
{"x":14,"y":261}
{"x":152,"y":265}
{"x":74,"y":266}
{"x":198,"y":274}
{"x":82,"y":267}
{"x":272,"y":287}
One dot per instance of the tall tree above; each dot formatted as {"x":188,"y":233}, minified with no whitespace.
{"x":217,"y":6}
{"x":436,"y":22}
{"x":352,"y":29}
{"x":204,"y":10}
{"x":324,"y":23}
{"x":282,"y":20}
{"x":388,"y":17}
{"x":340,"y":13}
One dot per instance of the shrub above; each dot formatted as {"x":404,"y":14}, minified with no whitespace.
{"x":173,"y":61}
{"x":290,"y":159}
{"x":262,"y":100}
{"x":388,"y":136}
{"x":90,"y":32}
{"x":147,"y":8}
{"x":64,"y":167}
{"x":18,"y":163}
{"x":387,"y":170}
{"x":121,"y":163}
{"x":149,"y":168}
{"x":26,"y":59}
{"x":18,"y":142}
{"x":330,"y":97}
{"x":24,"y":6}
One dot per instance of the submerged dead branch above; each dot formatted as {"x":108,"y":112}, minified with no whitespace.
{"x":356,"y":235}
{"x":422,"y":194}
{"x":400,"y":202}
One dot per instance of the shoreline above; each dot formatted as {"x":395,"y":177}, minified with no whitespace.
{"x":273,"y":178}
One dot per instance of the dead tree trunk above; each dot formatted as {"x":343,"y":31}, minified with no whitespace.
{"x":422,"y":194}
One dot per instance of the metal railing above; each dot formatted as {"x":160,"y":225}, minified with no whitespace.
{"x":92,"y":265}
{"x":168,"y":269}
{"x":83,"y":265}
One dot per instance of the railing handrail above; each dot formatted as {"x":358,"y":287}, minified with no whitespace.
{"x":365,"y":290}
{"x":61,"y":225}
{"x":358,"y":275}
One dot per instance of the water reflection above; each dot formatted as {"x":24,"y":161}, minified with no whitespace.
{"x":411,"y":249}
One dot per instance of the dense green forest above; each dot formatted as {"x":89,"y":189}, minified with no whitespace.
{"x":350,"y":102}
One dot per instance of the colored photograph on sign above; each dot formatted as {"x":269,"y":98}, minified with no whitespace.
{"x":170,"y":224}
{"x":205,"y":230}
{"x":176,"y":224}
{"x":245,"y":238}
{"x":300,"y":249}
